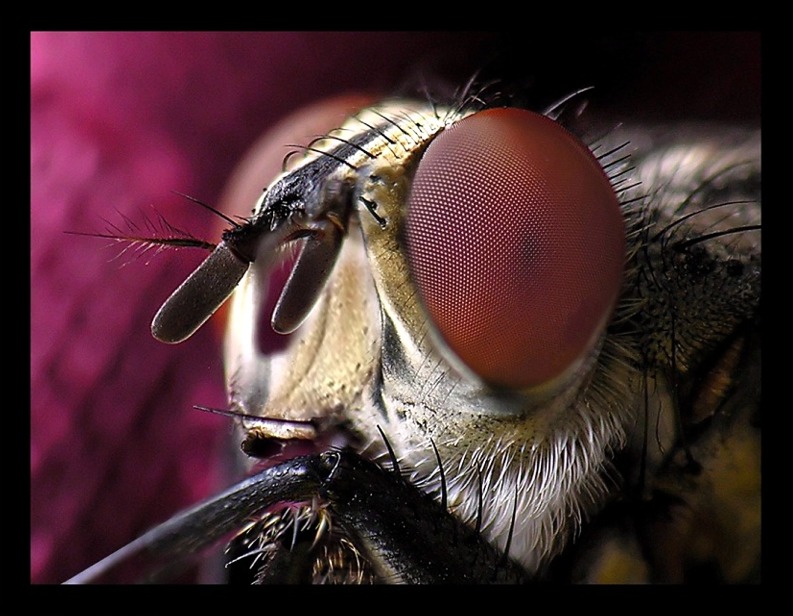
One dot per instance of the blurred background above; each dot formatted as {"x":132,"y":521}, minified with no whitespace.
{"x":119,"y":121}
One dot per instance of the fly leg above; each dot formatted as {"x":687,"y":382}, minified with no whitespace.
{"x":403,"y":534}
{"x":373,"y":525}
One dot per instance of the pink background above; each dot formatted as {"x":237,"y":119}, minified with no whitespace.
{"x":118,"y":122}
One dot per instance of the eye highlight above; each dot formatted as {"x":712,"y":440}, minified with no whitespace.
{"x":516,"y":243}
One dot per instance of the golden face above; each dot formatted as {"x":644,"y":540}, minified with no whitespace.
{"x":535,"y":326}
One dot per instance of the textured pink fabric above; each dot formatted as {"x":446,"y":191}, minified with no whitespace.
{"x":118,"y":122}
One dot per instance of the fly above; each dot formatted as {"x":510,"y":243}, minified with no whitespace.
{"x":543,"y":334}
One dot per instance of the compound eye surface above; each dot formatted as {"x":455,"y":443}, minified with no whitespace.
{"x":516,"y":243}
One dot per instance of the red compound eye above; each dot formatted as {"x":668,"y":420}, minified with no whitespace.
{"x":516,"y":243}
